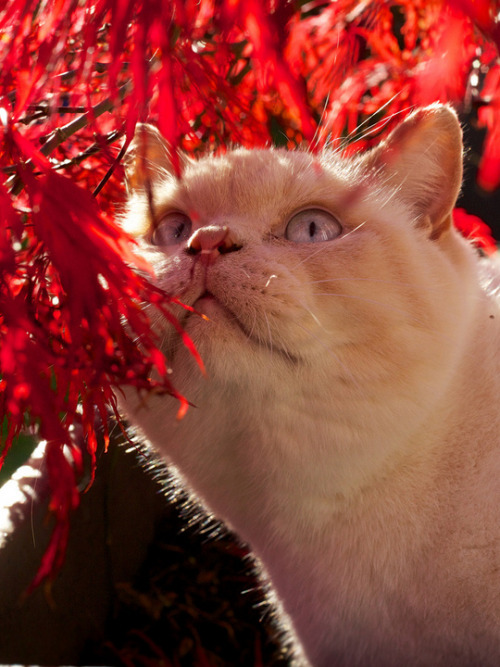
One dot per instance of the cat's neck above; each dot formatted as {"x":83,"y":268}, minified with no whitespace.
{"x":297,"y":444}
{"x":325,"y":513}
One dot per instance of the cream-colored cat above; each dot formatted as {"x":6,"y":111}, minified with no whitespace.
{"x":348,"y":426}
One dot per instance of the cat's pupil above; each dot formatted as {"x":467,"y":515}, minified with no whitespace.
{"x":179,"y":230}
{"x":312,"y":229}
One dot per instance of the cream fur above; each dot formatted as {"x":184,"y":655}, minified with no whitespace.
{"x":348,"y":426}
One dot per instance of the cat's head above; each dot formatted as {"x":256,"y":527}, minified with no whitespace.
{"x":303,"y":260}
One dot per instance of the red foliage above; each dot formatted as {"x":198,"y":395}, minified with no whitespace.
{"x":76,"y":75}
{"x":475,"y":229}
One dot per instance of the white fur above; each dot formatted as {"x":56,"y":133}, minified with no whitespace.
{"x":348,"y":426}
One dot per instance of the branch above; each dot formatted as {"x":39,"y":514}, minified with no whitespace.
{"x":63,"y":133}
{"x":91,"y":150}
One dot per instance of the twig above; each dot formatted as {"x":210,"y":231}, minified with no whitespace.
{"x":40,"y":111}
{"x":107,"y":175}
{"x":63,"y":133}
{"x":91,"y":150}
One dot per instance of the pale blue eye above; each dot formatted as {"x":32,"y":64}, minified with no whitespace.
{"x":174,"y":228}
{"x":312,"y":226}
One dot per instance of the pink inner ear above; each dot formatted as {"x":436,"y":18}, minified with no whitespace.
{"x":147,"y":154}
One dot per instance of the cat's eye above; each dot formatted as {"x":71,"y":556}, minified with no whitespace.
{"x":312,"y":226}
{"x":174,"y":228}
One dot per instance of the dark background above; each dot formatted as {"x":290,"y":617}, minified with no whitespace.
{"x":474,"y":200}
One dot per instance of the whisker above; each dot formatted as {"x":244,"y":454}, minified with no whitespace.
{"x":353,"y":230}
{"x":355,"y":297}
{"x":270,"y":337}
{"x":313,"y":316}
{"x":379,"y":125}
{"x":250,"y":334}
{"x":335,"y":356}
{"x":372,"y":301}
{"x":399,"y":283}
{"x":305,"y":259}
{"x":343,"y":142}
{"x":316,"y":138}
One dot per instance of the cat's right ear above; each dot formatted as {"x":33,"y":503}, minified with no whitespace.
{"x":147,"y":157}
{"x":422,"y":160}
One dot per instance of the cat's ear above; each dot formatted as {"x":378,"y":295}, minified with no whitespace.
{"x":147,"y":157}
{"x":422,"y":159}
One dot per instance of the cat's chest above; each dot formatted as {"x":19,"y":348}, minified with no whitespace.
{"x":388,"y":577}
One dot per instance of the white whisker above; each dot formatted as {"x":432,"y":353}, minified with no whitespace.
{"x":270,"y":337}
{"x":313,"y":316}
{"x":371,"y":301}
{"x":343,"y":142}
{"x":271,"y":277}
{"x":335,"y":356}
{"x":344,"y":236}
{"x":313,"y":254}
{"x":418,"y":288}
{"x":251,"y":334}
{"x":315,"y":140}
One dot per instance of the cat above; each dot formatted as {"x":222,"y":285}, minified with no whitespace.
{"x":347,"y":427}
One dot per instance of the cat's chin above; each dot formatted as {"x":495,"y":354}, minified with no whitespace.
{"x":214,"y":312}
{"x":207,"y":304}
{"x":218,"y":322}
{"x":205,"y":299}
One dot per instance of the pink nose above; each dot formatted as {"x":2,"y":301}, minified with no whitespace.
{"x":211,"y":240}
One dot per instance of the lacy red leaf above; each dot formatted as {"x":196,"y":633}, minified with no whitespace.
{"x":76,"y":76}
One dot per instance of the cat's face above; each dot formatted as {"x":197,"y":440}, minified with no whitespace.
{"x":302,"y":260}
{"x":335,"y":295}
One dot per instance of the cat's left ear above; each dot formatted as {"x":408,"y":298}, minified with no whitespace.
{"x":422,"y":159}
{"x":147,"y":157}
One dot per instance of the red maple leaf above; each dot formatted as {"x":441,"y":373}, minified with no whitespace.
{"x":74,"y":80}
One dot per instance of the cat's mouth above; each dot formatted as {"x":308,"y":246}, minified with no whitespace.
{"x":210,"y":306}
{"x":205,"y":296}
